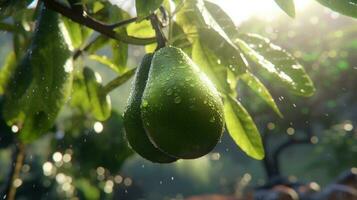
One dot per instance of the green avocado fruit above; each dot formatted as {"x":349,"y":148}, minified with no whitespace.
{"x":181,"y":110}
{"x":41,"y":82}
{"x":135,"y":132}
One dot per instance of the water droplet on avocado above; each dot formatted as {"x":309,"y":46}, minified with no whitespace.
{"x":169,"y":91}
{"x":212,"y":119}
{"x":177,"y":100}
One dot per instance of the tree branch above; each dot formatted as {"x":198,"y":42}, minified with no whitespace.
{"x":271,"y":161}
{"x":289,"y":143}
{"x":94,"y":24}
{"x":123,"y":23}
{"x":7,"y":27}
{"x":293,"y":141}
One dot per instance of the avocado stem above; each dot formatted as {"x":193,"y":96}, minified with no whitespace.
{"x":160,"y":37}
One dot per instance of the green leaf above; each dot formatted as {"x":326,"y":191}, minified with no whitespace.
{"x":106,"y":11}
{"x":150,"y":48}
{"x":242,"y":129}
{"x":98,"y":43}
{"x":6,"y":70}
{"x":287,"y":6}
{"x":97,"y":6}
{"x":194,"y":17}
{"x":258,"y":87}
{"x":207,"y":61}
{"x":142,"y":29}
{"x":77,"y":32}
{"x":180,"y":39}
{"x":146,"y":7}
{"x":120,"y":55}
{"x":100,"y":103}
{"x":222,"y":18}
{"x":277,"y":62}
{"x":232,"y":82}
{"x":79,"y":97}
{"x":345,"y":7}
{"x":106,"y":62}
{"x":167,"y":5}
{"x":10,"y":7}
{"x":87,"y":189}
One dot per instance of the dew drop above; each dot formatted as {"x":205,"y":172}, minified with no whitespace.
{"x":169,"y":91}
{"x":177,"y":100}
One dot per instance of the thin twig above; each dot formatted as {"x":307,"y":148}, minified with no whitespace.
{"x":9,"y":191}
{"x":118,"y":81}
{"x":79,"y":51}
{"x":123,"y":23}
{"x":94,"y":24}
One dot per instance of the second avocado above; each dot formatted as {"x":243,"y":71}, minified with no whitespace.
{"x":181,"y":110}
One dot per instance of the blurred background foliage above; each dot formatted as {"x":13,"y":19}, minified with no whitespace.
{"x":88,"y":159}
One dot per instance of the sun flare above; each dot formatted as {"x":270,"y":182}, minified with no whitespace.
{"x":241,"y":10}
